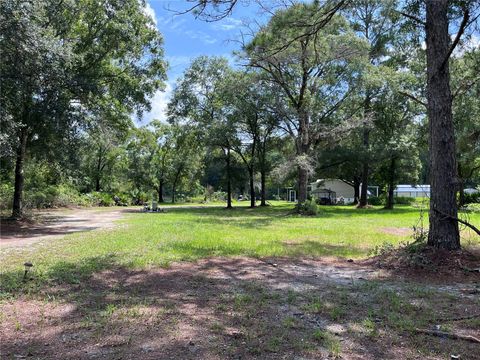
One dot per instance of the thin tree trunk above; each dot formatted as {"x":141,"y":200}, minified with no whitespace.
{"x":391,"y":184}
{"x":17,"y":209}
{"x":263,"y":195}
{"x":99,"y":166}
{"x":303,"y":150}
{"x":160,"y":192}
{"x":356,"y":190}
{"x":461,"y":186}
{"x":461,"y":193}
{"x":366,"y":160}
{"x":443,"y":231}
{"x":229,"y":182}
{"x":252,"y":188}
{"x":97,"y":183}
{"x":364,"y":188}
{"x":173,"y":193}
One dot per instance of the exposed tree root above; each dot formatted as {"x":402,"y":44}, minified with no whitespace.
{"x":466,"y":317}
{"x":449,"y":335}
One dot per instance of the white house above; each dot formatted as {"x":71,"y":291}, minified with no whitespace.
{"x":332,"y":190}
{"x":414,"y":191}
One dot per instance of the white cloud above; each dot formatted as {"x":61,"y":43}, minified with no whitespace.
{"x":200,"y":35}
{"x":179,"y":26}
{"x":148,"y":10}
{"x":159,"y":103}
{"x":227,"y":24}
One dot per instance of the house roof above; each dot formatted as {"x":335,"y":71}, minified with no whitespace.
{"x":323,"y":180}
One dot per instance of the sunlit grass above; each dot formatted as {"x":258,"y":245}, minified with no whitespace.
{"x":185,"y":234}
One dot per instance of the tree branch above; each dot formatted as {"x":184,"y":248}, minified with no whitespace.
{"x":413,"y":98}
{"x":461,"y":30}
{"x":413,"y":17}
{"x":459,"y":220}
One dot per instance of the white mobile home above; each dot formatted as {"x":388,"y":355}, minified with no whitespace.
{"x":332,"y":190}
{"x":414,"y":191}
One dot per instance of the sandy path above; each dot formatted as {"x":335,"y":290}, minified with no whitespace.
{"x":55,"y":224}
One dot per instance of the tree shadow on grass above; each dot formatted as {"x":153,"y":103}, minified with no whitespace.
{"x":316,"y":249}
{"x":218,"y":308}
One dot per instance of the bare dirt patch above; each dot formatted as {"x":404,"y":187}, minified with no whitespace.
{"x":429,"y":265}
{"x":403,"y":231}
{"x":49,"y":225}
{"x":238,"y":308}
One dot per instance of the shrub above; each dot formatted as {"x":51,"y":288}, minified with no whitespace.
{"x":404,"y":200}
{"x":475,"y":208}
{"x":101,"y":199}
{"x":471,"y":198}
{"x":6,"y":196}
{"x":219,"y":196}
{"x":375,"y":200}
{"x":309,"y":207}
{"x":68,"y":196}
{"x":121,"y":199}
{"x":194,"y":199}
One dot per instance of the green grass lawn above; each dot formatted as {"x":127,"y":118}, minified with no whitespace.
{"x":185,"y":234}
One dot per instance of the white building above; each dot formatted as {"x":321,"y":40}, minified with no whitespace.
{"x":332,"y":190}
{"x":414,"y":191}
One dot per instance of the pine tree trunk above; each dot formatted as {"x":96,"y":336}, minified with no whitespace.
{"x":391,"y":184}
{"x":263,"y":194}
{"x":443,"y":231}
{"x":366,"y":160}
{"x":17,"y":209}
{"x":229,"y":181}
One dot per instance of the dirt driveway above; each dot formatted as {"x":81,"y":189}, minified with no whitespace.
{"x":57,"y":223}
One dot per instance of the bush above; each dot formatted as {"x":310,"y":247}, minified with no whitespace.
{"x":309,"y":207}
{"x":68,"y":196}
{"x":475,"y":208}
{"x":219,"y":196}
{"x":101,"y":199}
{"x":404,"y":200}
{"x":6,"y":196}
{"x":195,"y":199}
{"x":471,"y":198}
{"x":121,"y":199}
{"x":375,"y":200}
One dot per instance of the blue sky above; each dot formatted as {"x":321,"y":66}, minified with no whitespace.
{"x":186,"y":38}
